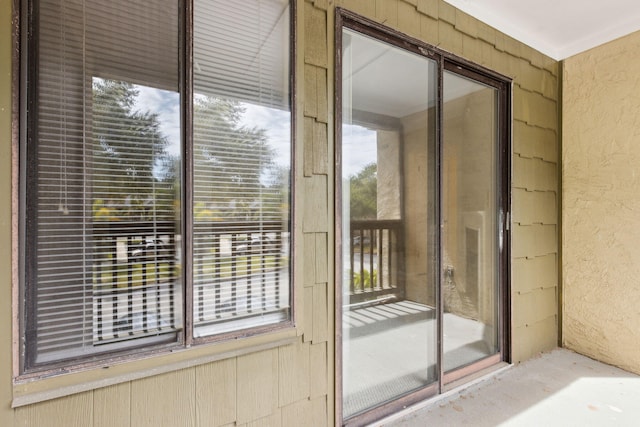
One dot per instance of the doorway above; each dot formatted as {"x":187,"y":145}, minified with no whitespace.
{"x":422,"y":253}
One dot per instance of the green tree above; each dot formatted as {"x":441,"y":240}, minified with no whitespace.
{"x":132,"y":173}
{"x":229,"y":161}
{"x":364,"y":193}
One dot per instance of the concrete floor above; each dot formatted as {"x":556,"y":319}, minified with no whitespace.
{"x":559,"y":388}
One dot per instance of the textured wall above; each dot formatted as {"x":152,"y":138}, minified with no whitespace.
{"x":601,"y":202}
{"x":293,"y":384}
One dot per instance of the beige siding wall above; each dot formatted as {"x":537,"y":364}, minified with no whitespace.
{"x":601,"y":202}
{"x":293,"y":384}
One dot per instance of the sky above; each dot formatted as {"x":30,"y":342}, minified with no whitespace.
{"x":359,"y":143}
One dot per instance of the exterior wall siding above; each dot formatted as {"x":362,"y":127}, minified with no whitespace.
{"x":601,"y":228}
{"x":293,"y":385}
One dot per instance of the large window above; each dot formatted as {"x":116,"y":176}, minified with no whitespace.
{"x":155,"y":179}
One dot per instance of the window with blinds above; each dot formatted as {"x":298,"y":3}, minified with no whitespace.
{"x":105,"y":234}
{"x":241,"y":145}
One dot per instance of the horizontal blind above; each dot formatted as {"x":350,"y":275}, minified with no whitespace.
{"x":242,"y":144}
{"x":103,"y":244}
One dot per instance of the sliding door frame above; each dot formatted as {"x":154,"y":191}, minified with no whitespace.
{"x":445,"y":61}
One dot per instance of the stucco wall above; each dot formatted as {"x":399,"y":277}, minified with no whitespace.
{"x":293,"y":384}
{"x":601,"y":202}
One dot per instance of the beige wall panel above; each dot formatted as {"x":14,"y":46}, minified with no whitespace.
{"x":321,"y":4}
{"x":315,"y":35}
{"x":319,"y":415}
{"x":533,"y":240}
{"x":318,"y":369}
{"x":70,"y":411}
{"x":309,"y":273}
{"x":465,"y":23}
{"x":534,"y":174}
{"x":534,"y":108}
{"x":216,"y":393}
{"x":257,"y":390}
{"x":315,"y":204}
{"x":293,"y":373}
{"x":534,"y":207}
{"x":472,"y":49}
{"x":320,"y":147}
{"x":446,"y":12}
{"x":322,"y":258}
{"x":310,"y":94}
{"x":534,"y":306}
{"x":307,"y":144}
{"x":297,"y":414}
{"x":387,"y":12}
{"x":487,"y":33}
{"x":112,"y":406}
{"x":408,"y":19}
{"x":533,"y":338}
{"x":448,"y":38}
{"x":532,"y":141}
{"x":363,"y":7}
{"x":273,"y":420}
{"x":429,"y":7}
{"x":323,"y":99}
{"x":154,"y":400}
{"x":307,"y":316}
{"x":320,"y":313}
{"x":429,"y":29}
{"x":601,"y":201}
{"x":534,"y":273}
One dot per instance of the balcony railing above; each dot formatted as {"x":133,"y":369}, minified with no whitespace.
{"x":238,"y":269}
{"x":375,"y":257}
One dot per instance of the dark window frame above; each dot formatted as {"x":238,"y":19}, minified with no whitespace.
{"x":346,"y":19}
{"x":24,"y":120}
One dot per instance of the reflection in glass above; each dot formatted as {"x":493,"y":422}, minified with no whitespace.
{"x":469,"y":251}
{"x":135,"y":198}
{"x":388,"y":199}
{"x":241,"y":165}
{"x":101,"y":156}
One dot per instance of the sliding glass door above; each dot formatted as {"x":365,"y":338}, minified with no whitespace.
{"x":389,"y":270}
{"x":422,"y":173}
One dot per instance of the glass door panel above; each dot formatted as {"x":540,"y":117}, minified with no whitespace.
{"x":469,"y":222}
{"x":389,"y":270}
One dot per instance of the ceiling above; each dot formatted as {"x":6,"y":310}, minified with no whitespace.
{"x":557,"y":28}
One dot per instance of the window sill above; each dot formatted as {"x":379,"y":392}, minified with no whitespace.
{"x":32,"y":391}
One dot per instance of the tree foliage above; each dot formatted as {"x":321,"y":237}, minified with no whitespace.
{"x":129,"y":154}
{"x":230,"y":163}
{"x":364,"y":193}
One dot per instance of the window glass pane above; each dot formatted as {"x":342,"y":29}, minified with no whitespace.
{"x":242,"y":146}
{"x":103,"y":179}
{"x":389,"y":272}
{"x":469,"y":229}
